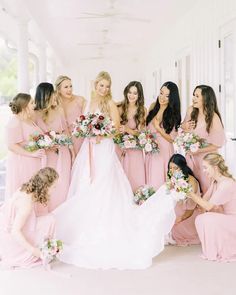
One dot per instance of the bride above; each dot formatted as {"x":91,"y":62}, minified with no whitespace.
{"x":100,"y":225}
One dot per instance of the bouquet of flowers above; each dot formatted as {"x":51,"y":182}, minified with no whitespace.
{"x":92,"y":125}
{"x":47,"y":140}
{"x":39,"y":141}
{"x":143,"y":193}
{"x":188,"y":141}
{"x":147,"y":143}
{"x":179,"y":183}
{"x":50,"y":249}
{"x":126,"y":141}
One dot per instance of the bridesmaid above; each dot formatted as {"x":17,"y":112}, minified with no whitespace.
{"x":217,"y":227}
{"x":50,"y":116}
{"x":163,"y":120}
{"x":133,"y":113}
{"x":204,"y":119}
{"x":184,"y":231}
{"x":21,"y":231}
{"x":21,"y":164}
{"x":72,"y":105}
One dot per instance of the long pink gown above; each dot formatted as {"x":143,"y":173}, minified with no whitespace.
{"x":35,"y":230}
{"x":216,"y":136}
{"x":71,"y":117}
{"x":133,"y":163}
{"x":156,"y":165}
{"x":217,"y":231}
{"x":19,"y":168}
{"x":60,"y":161}
{"x":185,"y":233}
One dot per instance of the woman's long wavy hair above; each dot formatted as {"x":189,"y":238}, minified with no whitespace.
{"x":171,"y":116}
{"x":181,"y":162}
{"x":139,"y":116}
{"x":103,"y":105}
{"x":39,"y":184}
{"x":215,"y":159}
{"x":209,"y":106}
{"x":43,"y":98}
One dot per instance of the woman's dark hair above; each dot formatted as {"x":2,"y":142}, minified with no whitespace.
{"x":181,"y":162}
{"x":19,"y":102}
{"x":209,"y":106}
{"x":171,"y":116}
{"x":139,"y":117}
{"x":43,"y":94}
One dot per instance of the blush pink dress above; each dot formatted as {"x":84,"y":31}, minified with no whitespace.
{"x":35,"y":230}
{"x":133,"y":163}
{"x":217,"y":231}
{"x":60,"y":161}
{"x":185,"y":233}
{"x":19,"y":168}
{"x":216,"y":136}
{"x":71,"y":117}
{"x":156,"y":165}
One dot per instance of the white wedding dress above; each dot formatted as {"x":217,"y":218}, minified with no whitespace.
{"x":100,"y":225}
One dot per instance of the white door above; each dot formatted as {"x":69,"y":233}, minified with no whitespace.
{"x":227,"y":47}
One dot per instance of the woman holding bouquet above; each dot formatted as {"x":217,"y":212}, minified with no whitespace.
{"x":21,"y":163}
{"x":50,"y":117}
{"x":100,"y":224}
{"x":203,"y":119}
{"x":184,"y":231}
{"x":217,"y":226}
{"x":72,"y":105}
{"x":163,"y":120}
{"x":133,"y":115}
{"x":21,"y":232}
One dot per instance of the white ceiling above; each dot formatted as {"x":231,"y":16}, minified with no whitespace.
{"x":92,"y":30}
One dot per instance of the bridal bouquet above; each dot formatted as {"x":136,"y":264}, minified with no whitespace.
{"x":48,"y":140}
{"x":143,"y":193}
{"x":188,"y":141}
{"x":179,"y":183}
{"x":126,"y":141}
{"x":50,"y":249}
{"x":92,"y":125}
{"x":147,"y":143}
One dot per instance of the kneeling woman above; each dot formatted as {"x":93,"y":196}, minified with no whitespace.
{"x":217,"y":226}
{"x":184,"y":232}
{"x":21,"y":232}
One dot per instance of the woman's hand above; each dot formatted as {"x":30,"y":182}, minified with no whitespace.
{"x":188,"y":126}
{"x":38,"y":154}
{"x":36,"y":252}
{"x":122,"y":129}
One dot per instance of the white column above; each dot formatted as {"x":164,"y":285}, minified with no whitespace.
{"x":42,"y":63}
{"x":23,"y":57}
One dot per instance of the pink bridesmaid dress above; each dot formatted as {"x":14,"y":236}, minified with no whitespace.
{"x":60,"y":161}
{"x":156,"y":164}
{"x":19,"y":168}
{"x":185,"y":233}
{"x":217,"y":231}
{"x":216,"y":136}
{"x":35,"y":230}
{"x":71,"y":117}
{"x":133,"y":163}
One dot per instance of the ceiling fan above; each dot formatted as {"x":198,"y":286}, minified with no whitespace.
{"x":111,"y":13}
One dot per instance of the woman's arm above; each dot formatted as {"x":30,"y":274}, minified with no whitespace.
{"x":114,"y":113}
{"x":18,"y":149}
{"x":23,"y":212}
{"x":156,"y":124}
{"x":206,"y":205}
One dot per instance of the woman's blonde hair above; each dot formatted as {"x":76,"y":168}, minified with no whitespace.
{"x":215,"y":159}
{"x":39,"y":184}
{"x":19,"y":103}
{"x":104,"y":107}
{"x":57,"y":85}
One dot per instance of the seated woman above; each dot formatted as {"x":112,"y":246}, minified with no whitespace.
{"x":184,"y":231}
{"x":21,"y":232}
{"x":217,"y":226}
